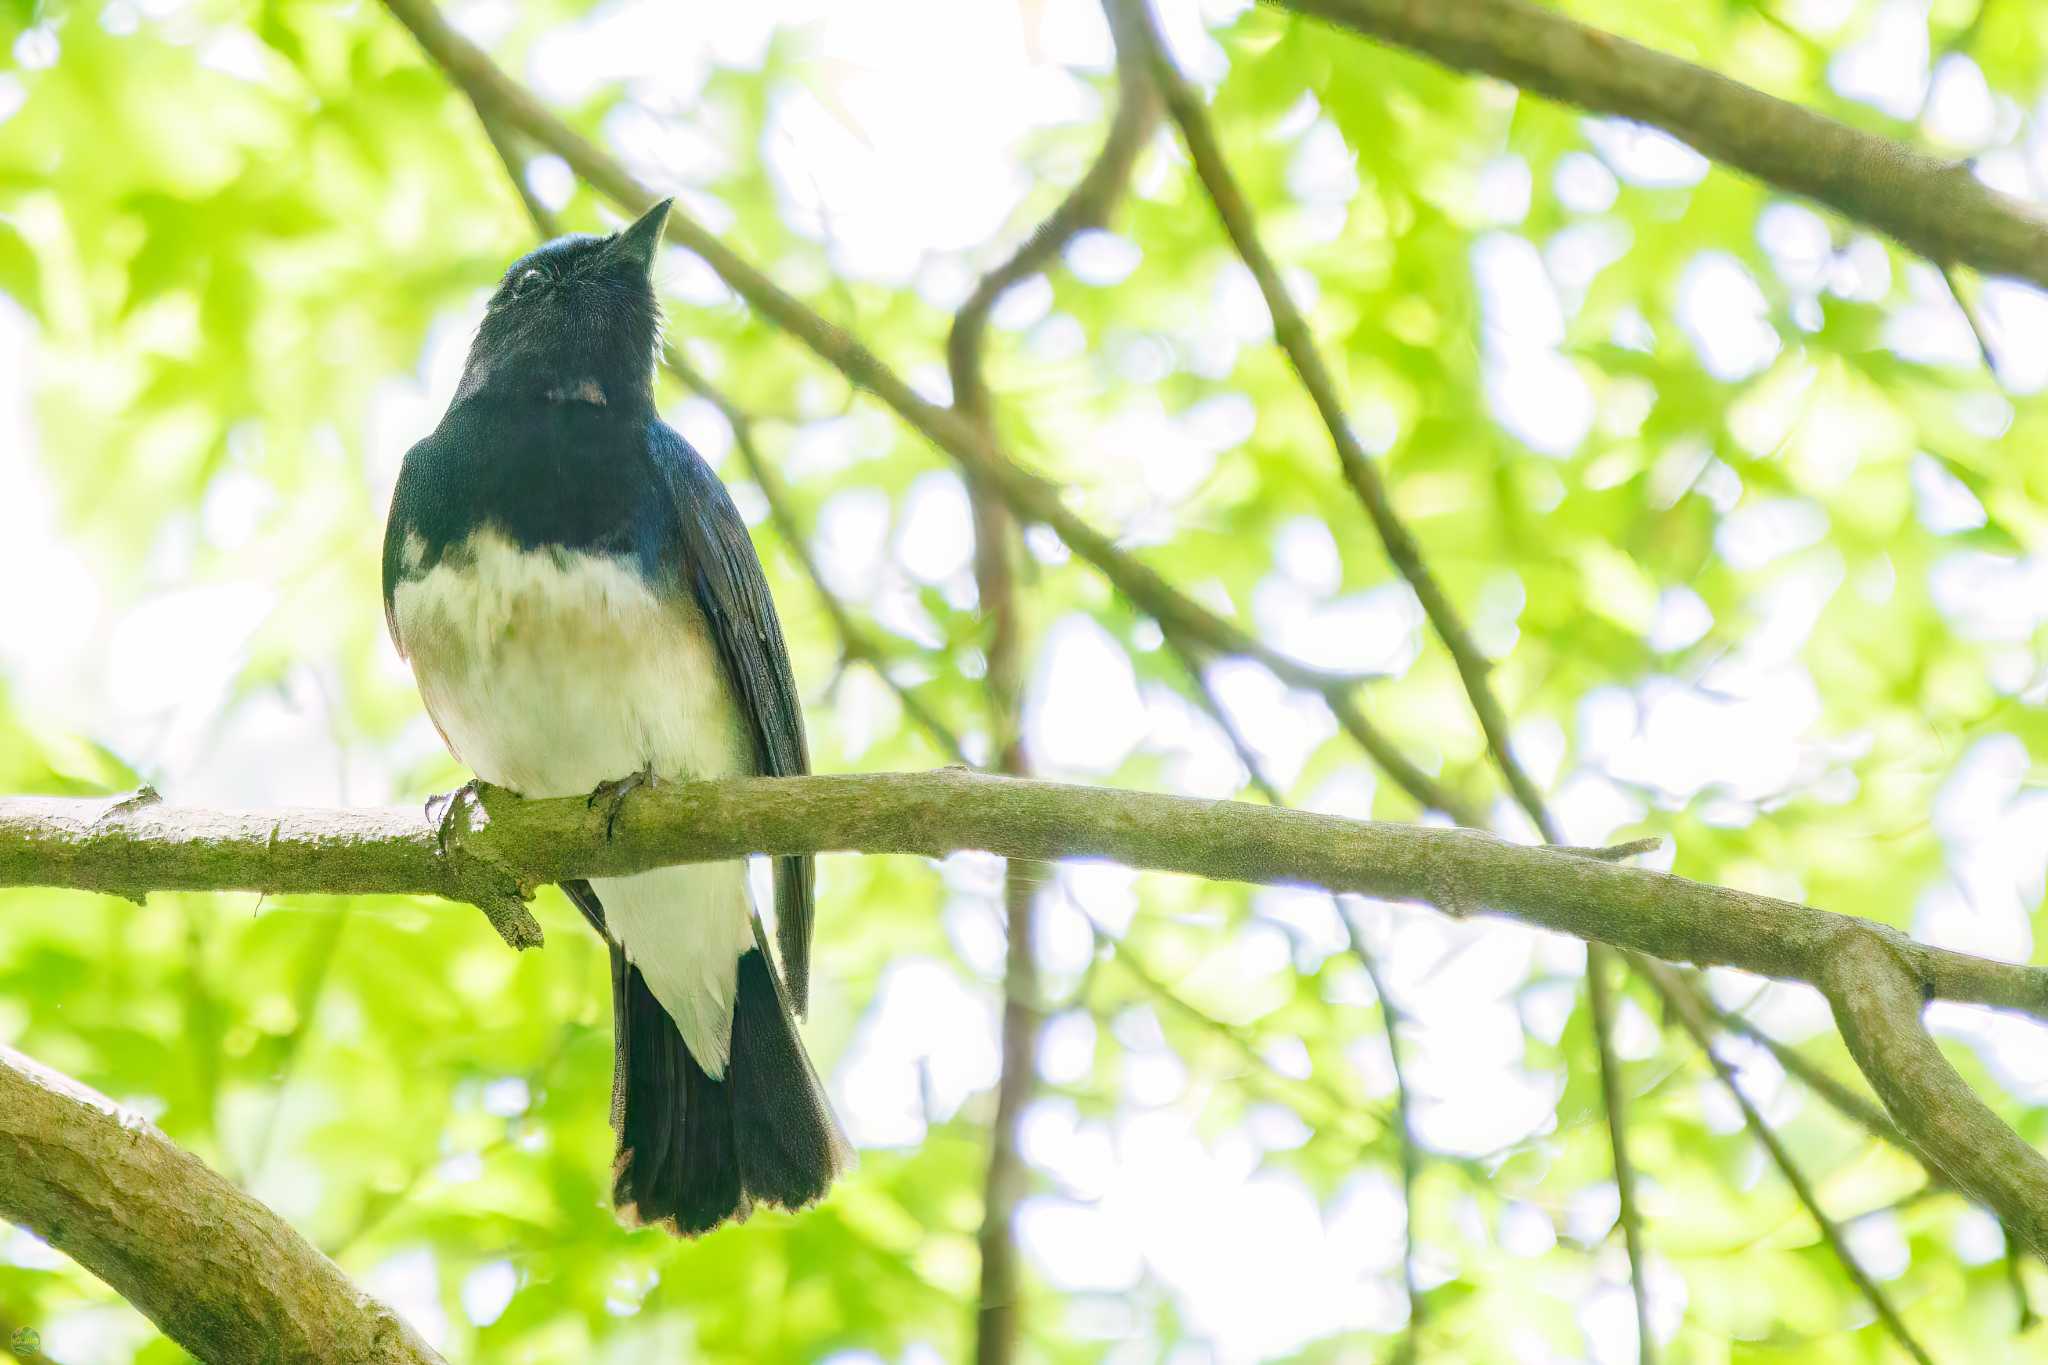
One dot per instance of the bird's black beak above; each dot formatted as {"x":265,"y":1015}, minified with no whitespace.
{"x":638,"y":242}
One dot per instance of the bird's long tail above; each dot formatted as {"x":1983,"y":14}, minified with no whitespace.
{"x":695,"y":1152}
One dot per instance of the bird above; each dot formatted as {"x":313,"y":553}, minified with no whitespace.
{"x":584,"y":613}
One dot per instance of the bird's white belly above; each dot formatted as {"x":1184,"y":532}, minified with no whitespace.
{"x":549,"y":672}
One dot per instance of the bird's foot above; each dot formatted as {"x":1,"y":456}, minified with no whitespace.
{"x":450,"y":811}
{"x":614,"y":794}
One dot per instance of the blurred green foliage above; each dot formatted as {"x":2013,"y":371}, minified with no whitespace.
{"x":1778,"y":602}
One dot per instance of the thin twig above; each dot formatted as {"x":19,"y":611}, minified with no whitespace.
{"x":1694,"y":1019}
{"x":1392,"y":1019}
{"x":1088,"y":205}
{"x":999,"y":1316}
{"x":2015,"y":1275}
{"x":1972,"y":315}
{"x":1337,"y":1108}
{"x":1247,"y":756}
{"x":1132,"y":22}
{"x":321,"y":959}
{"x":1291,"y":331}
{"x":1614,"y":1098}
{"x":1858,"y":1108}
{"x":855,"y":641}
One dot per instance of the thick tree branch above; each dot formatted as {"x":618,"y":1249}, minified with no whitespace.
{"x":79,"y":844}
{"x":74,"y":842}
{"x":1935,"y":207}
{"x":1877,"y":992}
{"x":219,"y":1273}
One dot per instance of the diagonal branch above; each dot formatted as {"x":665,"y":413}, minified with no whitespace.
{"x":1087,"y":205}
{"x":855,"y":642}
{"x":1391,"y":1020}
{"x":499,"y":99}
{"x":1851,"y":1104}
{"x":1335,"y":1109}
{"x":1877,"y":994}
{"x":1691,"y":1014}
{"x":1292,"y":332}
{"x":219,"y":1273}
{"x":1133,"y":21}
{"x":1935,"y":207}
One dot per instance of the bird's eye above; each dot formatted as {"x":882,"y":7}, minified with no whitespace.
{"x":530,"y":279}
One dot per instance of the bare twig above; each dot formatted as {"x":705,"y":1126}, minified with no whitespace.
{"x":1132,"y":21}
{"x":1686,"y":1008}
{"x":1974,"y":316}
{"x":1614,"y":1097}
{"x":1290,"y":329}
{"x":1087,"y":205}
{"x":1411,"y":1150}
{"x":1391,"y":1018}
{"x":856,"y":642}
{"x":1000,"y":1312}
{"x":1864,"y":1112}
{"x":1336,"y":1109}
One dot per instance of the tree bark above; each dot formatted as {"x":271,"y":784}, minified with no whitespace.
{"x":219,"y":1273}
{"x":1936,"y":207}
{"x":1875,"y":976}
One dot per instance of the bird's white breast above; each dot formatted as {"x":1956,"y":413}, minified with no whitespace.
{"x":549,"y":672}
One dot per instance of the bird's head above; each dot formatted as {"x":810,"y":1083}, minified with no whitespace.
{"x":574,"y":321}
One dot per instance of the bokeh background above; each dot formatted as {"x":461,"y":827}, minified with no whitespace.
{"x":1730,"y":489}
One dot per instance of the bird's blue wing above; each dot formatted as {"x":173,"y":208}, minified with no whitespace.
{"x":716,"y":561}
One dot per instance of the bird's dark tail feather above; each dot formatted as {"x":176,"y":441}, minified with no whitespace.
{"x":694,"y":1152}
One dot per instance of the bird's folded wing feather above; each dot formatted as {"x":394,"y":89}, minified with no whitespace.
{"x":717,"y":564}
